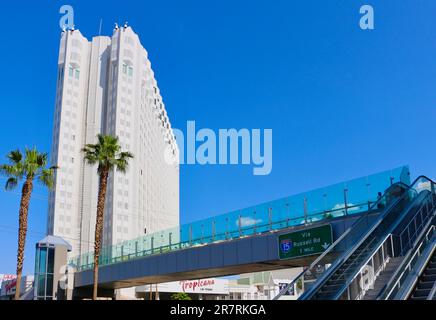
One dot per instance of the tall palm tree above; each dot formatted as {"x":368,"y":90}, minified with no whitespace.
{"x":30,"y":167}
{"x":107,"y":155}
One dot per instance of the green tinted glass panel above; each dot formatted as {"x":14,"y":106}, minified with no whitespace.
{"x":42,"y":260}
{"x":50,"y":260}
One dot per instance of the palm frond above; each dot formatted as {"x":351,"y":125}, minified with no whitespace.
{"x":15,"y":156}
{"x":41,"y":159}
{"x":11,"y":183}
{"x":46,"y":178}
{"x":30,"y":165}
{"x":122,"y":161}
{"x":15,"y":171}
{"x":106,"y":153}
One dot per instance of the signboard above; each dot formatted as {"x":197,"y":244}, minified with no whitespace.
{"x":305,"y":242}
{"x":6,"y":277}
{"x":212,"y":286}
{"x":203,"y":286}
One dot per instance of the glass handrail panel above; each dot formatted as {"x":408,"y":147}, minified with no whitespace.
{"x":299,"y":209}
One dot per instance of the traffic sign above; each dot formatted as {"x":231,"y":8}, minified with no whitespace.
{"x":305,"y":242}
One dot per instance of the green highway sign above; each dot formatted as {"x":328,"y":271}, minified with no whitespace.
{"x":305,"y":242}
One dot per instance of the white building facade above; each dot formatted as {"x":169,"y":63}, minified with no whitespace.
{"x":107,"y":86}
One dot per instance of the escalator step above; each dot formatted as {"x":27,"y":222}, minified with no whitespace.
{"x":418,"y":298}
{"x":338,"y":281}
{"x":425,"y":285}
{"x":331,"y":287}
{"x":428,"y":277}
{"x":323,"y":296}
{"x":430,"y":270}
{"x":421,"y":292}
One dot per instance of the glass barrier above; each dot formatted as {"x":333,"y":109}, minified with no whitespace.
{"x":347,"y":198}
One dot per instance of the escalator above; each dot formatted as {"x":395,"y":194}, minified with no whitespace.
{"x":425,"y":286}
{"x":340,"y":284}
{"x":372,"y":245}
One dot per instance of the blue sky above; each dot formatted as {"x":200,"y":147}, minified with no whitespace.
{"x":342,"y":102}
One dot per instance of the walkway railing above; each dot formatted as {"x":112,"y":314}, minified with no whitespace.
{"x":342,"y":199}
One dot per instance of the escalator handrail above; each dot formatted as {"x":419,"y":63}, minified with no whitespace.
{"x":421,"y":269}
{"x":393,"y":282}
{"x":329,"y":249}
{"x":324,"y":278}
{"x":387,"y":234}
{"x":432,"y":293}
{"x":376,"y":224}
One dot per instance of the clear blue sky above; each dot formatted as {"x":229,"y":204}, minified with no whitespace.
{"x":342,"y":102}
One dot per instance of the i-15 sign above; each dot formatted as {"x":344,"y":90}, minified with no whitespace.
{"x":305,"y":242}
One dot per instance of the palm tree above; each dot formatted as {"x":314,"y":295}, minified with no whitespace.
{"x":32,"y":166}
{"x":107,"y":155}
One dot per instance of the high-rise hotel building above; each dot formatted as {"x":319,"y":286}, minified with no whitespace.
{"x":107,"y":86}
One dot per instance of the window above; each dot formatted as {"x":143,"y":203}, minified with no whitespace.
{"x":128,"y":70}
{"x":74,"y":72}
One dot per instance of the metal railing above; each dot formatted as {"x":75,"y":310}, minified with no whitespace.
{"x":432,"y":293}
{"x":347,"y":198}
{"x":421,"y":183}
{"x":415,"y":226}
{"x":368,"y":273}
{"x":346,"y":243}
{"x":398,"y":279}
{"x":411,"y":230}
{"x":240,"y":232}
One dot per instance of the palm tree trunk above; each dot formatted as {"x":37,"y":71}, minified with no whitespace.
{"x":99,"y":226}
{"x":26,"y":192}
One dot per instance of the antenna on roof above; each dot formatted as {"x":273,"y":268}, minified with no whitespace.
{"x":116,"y":26}
{"x":125,"y":25}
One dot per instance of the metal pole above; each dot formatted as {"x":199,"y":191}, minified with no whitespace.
{"x":367,"y":193}
{"x":152,"y":245}
{"x":346,"y":201}
{"x":151,"y":291}
{"x":270,"y":218}
{"x":213,"y":230}
{"x":287,"y":215}
{"x":239,"y":225}
{"x":161,"y":243}
{"x":254,"y":215}
{"x":305,"y":210}
{"x":190,"y":235}
{"x":324,"y":196}
{"x":157,"y":294}
{"x":169,"y":239}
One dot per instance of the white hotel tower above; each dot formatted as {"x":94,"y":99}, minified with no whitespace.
{"x":107,"y":86}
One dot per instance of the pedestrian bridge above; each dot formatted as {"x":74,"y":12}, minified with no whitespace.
{"x":243,"y":241}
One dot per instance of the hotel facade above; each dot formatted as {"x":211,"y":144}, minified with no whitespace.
{"x":107,"y":86}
